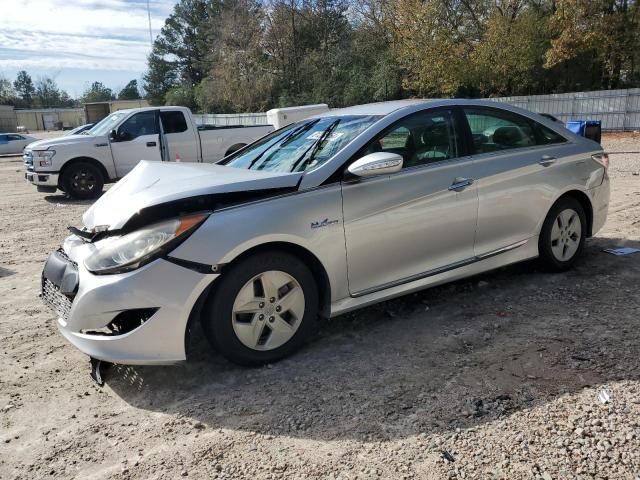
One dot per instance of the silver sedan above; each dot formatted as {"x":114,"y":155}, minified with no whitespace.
{"x":324,"y":216}
{"x":14,"y":143}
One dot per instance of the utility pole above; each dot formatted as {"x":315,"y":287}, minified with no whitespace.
{"x":150,"y":31}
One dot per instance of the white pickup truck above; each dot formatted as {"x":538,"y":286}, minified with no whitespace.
{"x":80,"y":165}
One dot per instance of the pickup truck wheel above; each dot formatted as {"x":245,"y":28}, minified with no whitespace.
{"x":82,"y":180}
{"x":264,"y":309}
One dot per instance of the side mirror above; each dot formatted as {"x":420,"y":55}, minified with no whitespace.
{"x":374,"y":164}
{"x":113,"y":136}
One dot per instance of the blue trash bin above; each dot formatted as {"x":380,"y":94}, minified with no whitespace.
{"x":591,"y":129}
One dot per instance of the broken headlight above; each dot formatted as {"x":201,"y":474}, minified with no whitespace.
{"x":135,"y":249}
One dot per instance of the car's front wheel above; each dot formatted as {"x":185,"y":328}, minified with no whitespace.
{"x":563,"y":235}
{"x":264,"y":309}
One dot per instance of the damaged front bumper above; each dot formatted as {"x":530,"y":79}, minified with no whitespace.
{"x":138,"y":317}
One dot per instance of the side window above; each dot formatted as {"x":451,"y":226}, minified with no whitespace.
{"x":421,"y":138}
{"x":495,"y":130}
{"x":173,"y":122}
{"x":15,"y":137}
{"x":546,"y":136}
{"x":4,"y":139}
{"x":143,"y":123}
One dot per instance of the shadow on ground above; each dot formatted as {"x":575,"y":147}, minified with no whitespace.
{"x":63,"y":198}
{"x":448,"y":357}
{"x":5,"y":272}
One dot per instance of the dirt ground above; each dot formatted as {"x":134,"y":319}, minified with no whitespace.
{"x":492,"y":377}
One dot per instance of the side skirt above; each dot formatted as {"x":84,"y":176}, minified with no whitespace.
{"x":517,"y":252}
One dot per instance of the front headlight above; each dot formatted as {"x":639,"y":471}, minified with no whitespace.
{"x":44,"y":157}
{"x":135,"y":249}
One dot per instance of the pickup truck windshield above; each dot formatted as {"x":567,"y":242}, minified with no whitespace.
{"x":301,"y":146}
{"x":104,"y":126}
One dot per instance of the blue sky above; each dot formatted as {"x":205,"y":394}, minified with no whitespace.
{"x":78,"y":41}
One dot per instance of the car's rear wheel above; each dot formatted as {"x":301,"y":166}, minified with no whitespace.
{"x":563,"y":235}
{"x":82,"y":180}
{"x":264,"y":309}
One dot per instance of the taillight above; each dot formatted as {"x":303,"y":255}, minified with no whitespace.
{"x":602,"y":159}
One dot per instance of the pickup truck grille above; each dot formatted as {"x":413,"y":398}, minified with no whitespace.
{"x":28,"y":160}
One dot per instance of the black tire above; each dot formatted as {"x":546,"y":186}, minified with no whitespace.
{"x":217,"y":315}
{"x":548,"y":259}
{"x":82,"y":180}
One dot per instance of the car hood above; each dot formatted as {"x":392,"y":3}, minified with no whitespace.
{"x":64,"y":141}
{"x":151,"y":184}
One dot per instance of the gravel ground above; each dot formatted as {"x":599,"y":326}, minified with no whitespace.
{"x":491,"y":377}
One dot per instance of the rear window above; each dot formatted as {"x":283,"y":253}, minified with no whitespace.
{"x":496,"y":130}
{"x":546,"y":136}
{"x":173,"y":122}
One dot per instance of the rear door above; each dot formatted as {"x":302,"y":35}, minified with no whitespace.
{"x":414,"y":223}
{"x":514,"y":158}
{"x":137,"y":139}
{"x":180,"y":139}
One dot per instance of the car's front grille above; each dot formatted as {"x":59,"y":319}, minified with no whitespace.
{"x":64,"y":255}
{"x":59,"y":302}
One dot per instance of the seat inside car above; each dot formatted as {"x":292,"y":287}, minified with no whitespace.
{"x":510,"y":137}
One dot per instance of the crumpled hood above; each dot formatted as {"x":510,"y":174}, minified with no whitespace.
{"x":155,"y":183}
{"x":64,"y":141}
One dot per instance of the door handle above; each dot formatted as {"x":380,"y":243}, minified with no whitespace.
{"x":151,"y":144}
{"x":460,"y":183}
{"x":547,"y":160}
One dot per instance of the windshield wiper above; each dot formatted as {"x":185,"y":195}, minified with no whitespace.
{"x":315,"y":146}
{"x":285,"y":140}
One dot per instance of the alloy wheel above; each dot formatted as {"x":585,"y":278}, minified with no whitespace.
{"x":268,"y":310}
{"x":566,"y":234}
{"x":83,"y":181}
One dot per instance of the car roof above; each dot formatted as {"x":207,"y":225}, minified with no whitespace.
{"x":385,"y":108}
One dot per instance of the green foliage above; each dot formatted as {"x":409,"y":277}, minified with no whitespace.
{"x":97,"y":92}
{"x":7,"y":93}
{"x":608,"y":31}
{"x":250,"y":55}
{"x":130,"y":91}
{"x":23,"y":86}
{"x":180,"y":53}
{"x":180,"y":95}
{"x":23,"y":93}
{"x":49,"y":95}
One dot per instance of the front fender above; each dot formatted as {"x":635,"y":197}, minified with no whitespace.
{"x":288,"y":218}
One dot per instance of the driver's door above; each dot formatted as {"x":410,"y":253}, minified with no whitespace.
{"x":137,"y":138}
{"x":416,"y":222}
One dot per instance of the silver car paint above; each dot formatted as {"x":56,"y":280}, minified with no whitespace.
{"x":507,"y":231}
{"x":418,"y":223}
{"x":153,"y":183}
{"x":100,"y":298}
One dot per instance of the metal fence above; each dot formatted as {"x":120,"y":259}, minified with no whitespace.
{"x":7,"y":119}
{"x":616,"y":109}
